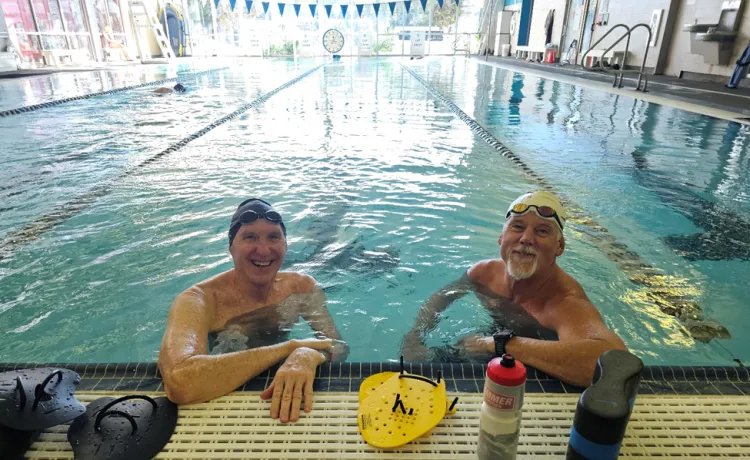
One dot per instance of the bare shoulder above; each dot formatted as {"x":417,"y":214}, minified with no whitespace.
{"x":484,"y":271}
{"x":574,"y":316}
{"x":298,"y":283}
{"x":208,"y":288}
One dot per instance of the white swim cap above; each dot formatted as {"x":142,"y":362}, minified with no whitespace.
{"x":545,"y":204}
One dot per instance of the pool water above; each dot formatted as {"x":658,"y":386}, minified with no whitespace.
{"x":387,"y":194}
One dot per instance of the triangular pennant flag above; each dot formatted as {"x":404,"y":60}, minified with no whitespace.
{"x":407,"y":5}
{"x":249,"y":5}
{"x":456,"y":2}
{"x":344,"y":8}
{"x":312,"y":8}
{"x":296,"y":8}
{"x":424,"y":4}
{"x":328,"y":10}
{"x":376,"y":7}
{"x":281,"y":8}
{"x":216,"y":3}
{"x":440,"y":2}
{"x":359,"y":9}
{"x":232,"y":3}
{"x":392,"y":7}
{"x":265,"y":7}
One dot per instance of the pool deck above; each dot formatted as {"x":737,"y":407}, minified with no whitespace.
{"x":680,"y":411}
{"x":706,"y":98}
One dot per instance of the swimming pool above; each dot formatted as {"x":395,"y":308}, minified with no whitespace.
{"x":388,"y":194}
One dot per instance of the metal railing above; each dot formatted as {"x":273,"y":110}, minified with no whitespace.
{"x":622,"y":70}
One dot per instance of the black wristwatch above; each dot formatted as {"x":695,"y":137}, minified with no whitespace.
{"x":501,"y":340}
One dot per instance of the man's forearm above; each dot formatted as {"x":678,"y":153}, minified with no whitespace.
{"x":572,"y":362}
{"x":205,"y":377}
{"x":429,"y":314}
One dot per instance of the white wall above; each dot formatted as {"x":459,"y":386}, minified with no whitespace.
{"x":680,"y":58}
{"x":630,"y":13}
{"x":538,"y":18}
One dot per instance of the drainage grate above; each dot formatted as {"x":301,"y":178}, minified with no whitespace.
{"x":238,"y":427}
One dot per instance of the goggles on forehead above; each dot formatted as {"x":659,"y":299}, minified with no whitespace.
{"x":250,"y":216}
{"x":546,"y":212}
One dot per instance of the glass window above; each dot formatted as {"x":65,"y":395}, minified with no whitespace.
{"x":75,"y":22}
{"x":19,"y":19}
{"x":48,"y":19}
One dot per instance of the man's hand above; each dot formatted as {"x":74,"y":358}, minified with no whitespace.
{"x":414,"y":350}
{"x":315,"y":344}
{"x":339,"y":351}
{"x":476,"y":344}
{"x":294,"y":378}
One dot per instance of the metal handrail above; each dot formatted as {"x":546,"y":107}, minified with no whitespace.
{"x":619,"y":72}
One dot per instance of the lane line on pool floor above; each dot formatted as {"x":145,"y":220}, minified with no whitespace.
{"x":670,"y":293}
{"x":41,"y":225}
{"x":44,"y":105}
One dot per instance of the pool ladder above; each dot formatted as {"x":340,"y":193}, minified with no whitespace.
{"x":621,"y":71}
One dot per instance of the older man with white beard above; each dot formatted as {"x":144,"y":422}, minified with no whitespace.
{"x":527,"y":278}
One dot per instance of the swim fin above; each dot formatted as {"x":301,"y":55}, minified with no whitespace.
{"x":112,"y":429}
{"x":35,"y":399}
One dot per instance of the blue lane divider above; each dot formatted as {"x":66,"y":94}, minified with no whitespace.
{"x":667,"y":293}
{"x":41,"y":225}
{"x":44,"y":105}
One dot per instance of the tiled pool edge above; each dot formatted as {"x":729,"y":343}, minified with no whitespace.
{"x":463,"y":377}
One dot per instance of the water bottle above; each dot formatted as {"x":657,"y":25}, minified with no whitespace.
{"x":604,"y":408}
{"x":500,"y":419}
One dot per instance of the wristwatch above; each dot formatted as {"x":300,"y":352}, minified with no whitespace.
{"x":501,"y":340}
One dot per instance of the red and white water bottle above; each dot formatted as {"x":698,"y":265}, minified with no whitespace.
{"x":500,"y":419}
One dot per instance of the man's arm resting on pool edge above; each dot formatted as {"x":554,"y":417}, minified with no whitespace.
{"x":583,"y":338}
{"x":429,"y":315}
{"x":191,"y":375}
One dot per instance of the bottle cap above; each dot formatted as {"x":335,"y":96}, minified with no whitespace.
{"x":507,"y":371}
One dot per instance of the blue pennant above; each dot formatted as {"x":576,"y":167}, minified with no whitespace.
{"x":424,"y":4}
{"x":407,"y":5}
{"x":281,"y":8}
{"x":232,"y":3}
{"x":376,"y":7}
{"x":456,"y":2}
{"x":216,"y":3}
{"x":440,"y":2}
{"x":265,"y":7}
{"x":392,"y":7}
{"x":344,"y":8}
{"x":328,"y":10}
{"x":359,"y":9}
{"x":312,"y":8}
{"x":296,"y":8}
{"x":249,"y":5}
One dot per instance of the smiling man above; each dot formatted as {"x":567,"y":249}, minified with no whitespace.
{"x":526,"y":283}
{"x":230,"y":328}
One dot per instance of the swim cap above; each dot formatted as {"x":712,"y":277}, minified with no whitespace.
{"x":179,"y":88}
{"x":253,"y":204}
{"x":546,"y":205}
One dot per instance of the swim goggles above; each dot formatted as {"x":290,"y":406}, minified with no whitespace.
{"x":546,"y":212}
{"x":250,"y":216}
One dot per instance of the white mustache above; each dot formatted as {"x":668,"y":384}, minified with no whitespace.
{"x":525,"y":250}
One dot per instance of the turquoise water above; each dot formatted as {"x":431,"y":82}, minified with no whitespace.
{"x":388,"y":197}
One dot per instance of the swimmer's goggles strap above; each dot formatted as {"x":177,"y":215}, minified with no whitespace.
{"x":544,"y":211}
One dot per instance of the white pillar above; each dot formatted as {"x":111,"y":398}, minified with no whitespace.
{"x":94,"y":33}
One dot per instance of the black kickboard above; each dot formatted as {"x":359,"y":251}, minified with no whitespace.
{"x":15,"y":443}
{"x":115,"y":439}
{"x":55,"y":406}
